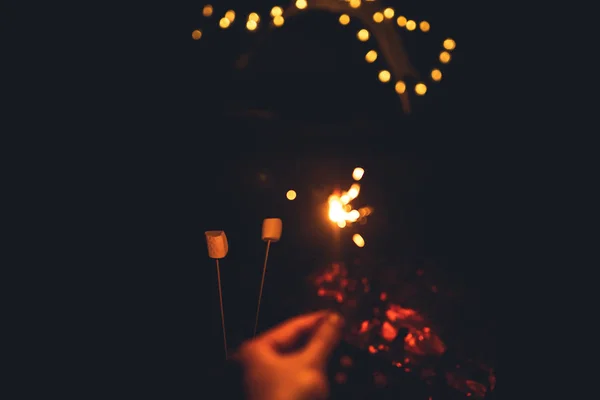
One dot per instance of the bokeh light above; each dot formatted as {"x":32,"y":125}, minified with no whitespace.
{"x":400,"y":87}
{"x":276,"y":11}
{"x":371,"y":56}
{"x":197,"y":34}
{"x":254,"y":17}
{"x":389,"y":13}
{"x":301,"y":4}
{"x":278,"y":20}
{"x":358,"y":173}
{"x":363,"y":35}
{"x":384,"y":76}
{"x":224,"y":23}
{"x":291,"y":195}
{"x":251,"y":25}
{"x":436,"y":75}
{"x":411,"y":25}
{"x":358,"y":240}
{"x":207,"y":11}
{"x":344,"y":19}
{"x":354,"y":3}
{"x":449,"y":44}
{"x":230,"y":15}
{"x":424,"y":26}
{"x":401,"y":21}
{"x":444,"y":57}
{"x":378,"y":17}
{"x":420,"y":89}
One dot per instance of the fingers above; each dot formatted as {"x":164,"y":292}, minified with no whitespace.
{"x":287,"y":334}
{"x":324,"y":340}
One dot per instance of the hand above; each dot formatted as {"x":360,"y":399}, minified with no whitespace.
{"x":289,"y":361}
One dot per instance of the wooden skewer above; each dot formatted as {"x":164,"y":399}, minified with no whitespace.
{"x":222,"y":312}
{"x":262,"y":282}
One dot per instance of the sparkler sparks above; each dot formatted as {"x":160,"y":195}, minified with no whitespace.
{"x":340,"y":207}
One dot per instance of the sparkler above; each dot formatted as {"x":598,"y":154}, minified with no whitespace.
{"x":340,"y":208}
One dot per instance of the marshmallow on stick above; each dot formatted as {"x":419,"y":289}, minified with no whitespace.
{"x":271,"y":229}
{"x":216,"y":241}
{"x":217,"y":244}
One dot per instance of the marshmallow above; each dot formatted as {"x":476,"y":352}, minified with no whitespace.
{"x":271,"y":229}
{"x":217,"y":244}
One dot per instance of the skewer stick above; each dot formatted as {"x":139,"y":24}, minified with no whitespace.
{"x":218,"y":247}
{"x":262,"y":283}
{"x":271,"y":232}
{"x":222,"y":312}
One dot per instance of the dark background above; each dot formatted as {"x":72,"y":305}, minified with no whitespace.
{"x":165,"y":143}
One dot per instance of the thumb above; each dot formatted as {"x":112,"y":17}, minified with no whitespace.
{"x":324,"y":340}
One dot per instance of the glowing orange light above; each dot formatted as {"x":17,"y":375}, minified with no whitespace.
{"x":224,"y":23}
{"x":449,"y":44}
{"x":301,"y":4}
{"x":363,"y":35}
{"x":207,"y":10}
{"x":400,"y":87}
{"x":230,"y":15}
{"x":254,"y":17}
{"x":358,"y":240}
{"x":276,"y":11}
{"x":445,"y":57}
{"x":251,"y":25}
{"x":358,"y":173}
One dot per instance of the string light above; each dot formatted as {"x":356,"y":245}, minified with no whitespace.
{"x":354,"y":3}
{"x":251,"y":25}
{"x":207,"y":11}
{"x":449,"y":44}
{"x":363,"y":35}
{"x":230,"y":15}
{"x":276,"y":11}
{"x":444,"y":57}
{"x":378,"y":17}
{"x":371,"y":56}
{"x":278,"y":21}
{"x":344,"y":19}
{"x":384,"y":76}
{"x":400,"y":87}
{"x":224,"y":23}
{"x":301,"y":4}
